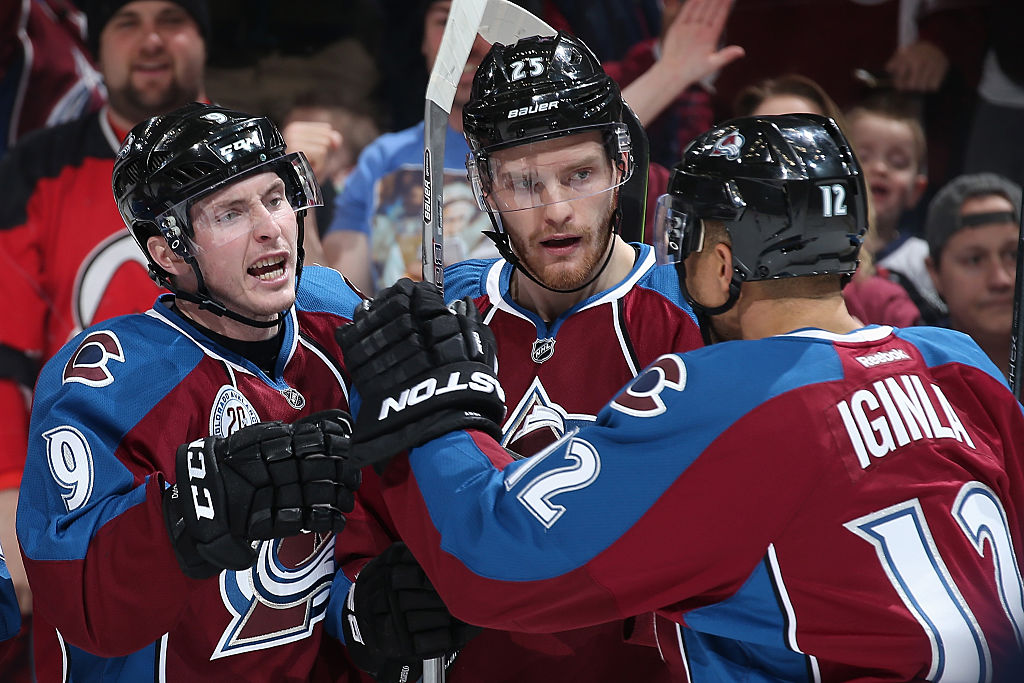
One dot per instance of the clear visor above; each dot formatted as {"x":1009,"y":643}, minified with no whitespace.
{"x":593,"y":160}
{"x":270,"y":192}
{"x":677,"y":234}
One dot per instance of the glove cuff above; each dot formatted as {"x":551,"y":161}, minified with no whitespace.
{"x":368,"y":451}
{"x":191,"y":563}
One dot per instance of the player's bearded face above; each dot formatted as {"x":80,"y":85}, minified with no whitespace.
{"x":152,"y":56}
{"x":564,"y":254}
{"x":557,"y":198}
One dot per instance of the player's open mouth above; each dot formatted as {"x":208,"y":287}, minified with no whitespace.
{"x":560,"y":242}
{"x":267,"y":268}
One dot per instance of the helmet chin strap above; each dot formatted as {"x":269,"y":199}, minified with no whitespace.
{"x":701,"y":309}
{"x":206,"y":302}
{"x":501,"y":241}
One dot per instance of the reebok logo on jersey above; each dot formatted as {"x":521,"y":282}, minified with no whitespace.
{"x":883,"y":357}
{"x":429,"y":388}
{"x":532,"y":109}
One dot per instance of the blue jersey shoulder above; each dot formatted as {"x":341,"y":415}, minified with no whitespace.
{"x":664,"y":279}
{"x":721,"y":383}
{"x":939,"y":346}
{"x":467,"y":278}
{"x":130,"y":361}
{"x":324,"y":290}
{"x":93,"y":392}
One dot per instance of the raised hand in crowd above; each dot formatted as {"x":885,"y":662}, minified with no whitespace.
{"x":920,"y":66}
{"x":689,"y":53}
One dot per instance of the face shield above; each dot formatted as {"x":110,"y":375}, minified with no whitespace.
{"x":274,"y":190}
{"x":538,"y":172}
{"x":677,"y":233}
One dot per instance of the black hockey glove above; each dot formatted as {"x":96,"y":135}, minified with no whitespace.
{"x":393,"y":618}
{"x":422,"y":369}
{"x":267,"y":480}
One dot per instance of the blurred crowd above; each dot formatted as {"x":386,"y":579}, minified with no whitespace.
{"x":929,"y":92}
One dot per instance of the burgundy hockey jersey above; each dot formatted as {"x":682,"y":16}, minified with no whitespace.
{"x":806,"y":507}
{"x":557,"y":375}
{"x":111,"y":409}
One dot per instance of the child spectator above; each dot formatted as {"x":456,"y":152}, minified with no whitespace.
{"x":889,"y":141}
{"x":868,"y":296}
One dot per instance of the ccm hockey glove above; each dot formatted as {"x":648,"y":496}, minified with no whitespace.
{"x":393,"y":619}
{"x":422,"y":369}
{"x":267,"y":480}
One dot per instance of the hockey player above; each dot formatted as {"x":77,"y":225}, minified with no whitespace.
{"x":65,"y":259}
{"x":184,"y":481}
{"x":816,"y":501}
{"x":569,"y":295}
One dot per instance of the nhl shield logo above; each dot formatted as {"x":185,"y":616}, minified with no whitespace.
{"x":295,"y":399}
{"x":728,"y":146}
{"x":543,"y":349}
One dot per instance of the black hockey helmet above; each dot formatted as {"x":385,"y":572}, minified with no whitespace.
{"x":169,"y":162}
{"x":540,"y":88}
{"x":788,"y":188}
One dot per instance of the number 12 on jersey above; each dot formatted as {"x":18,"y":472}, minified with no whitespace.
{"x":911,"y":559}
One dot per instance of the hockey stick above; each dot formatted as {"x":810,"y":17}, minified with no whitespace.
{"x":1016,"y":333}
{"x":456,"y":42}
{"x":506,"y":22}
{"x":497,"y":21}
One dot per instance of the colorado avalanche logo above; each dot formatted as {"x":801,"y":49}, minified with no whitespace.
{"x":642,"y":398}
{"x":88,"y":364}
{"x":728,"y":146}
{"x":281,"y":598}
{"x":538,"y":421}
